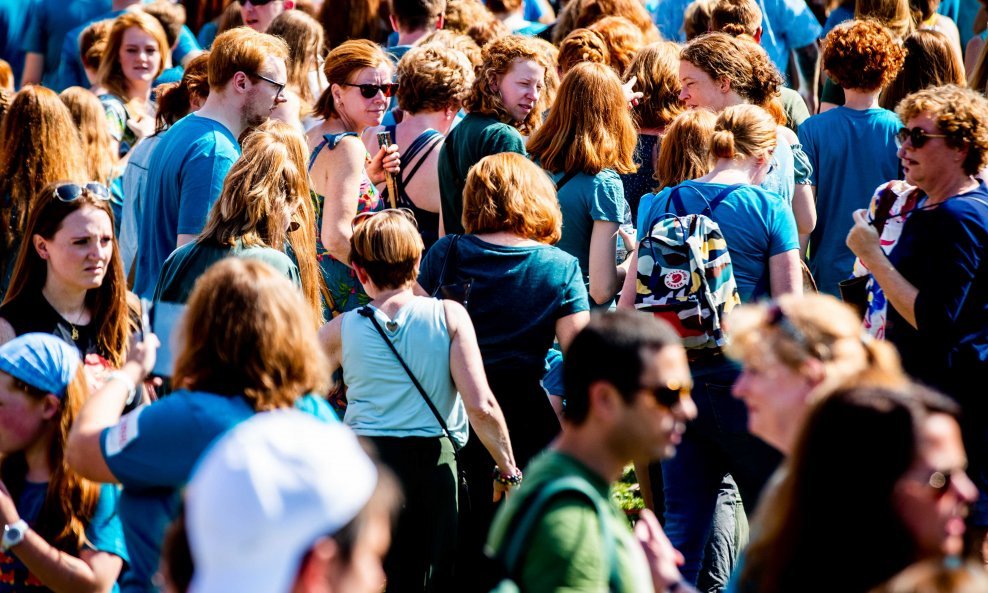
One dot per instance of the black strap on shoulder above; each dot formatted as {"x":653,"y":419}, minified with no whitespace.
{"x":566,"y":179}
{"x":450,"y":254}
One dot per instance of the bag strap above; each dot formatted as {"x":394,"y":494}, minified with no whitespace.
{"x":450,"y":253}
{"x":566,"y":179}
{"x":525,"y":521}
{"x":367,"y":312}
{"x":677,"y":201}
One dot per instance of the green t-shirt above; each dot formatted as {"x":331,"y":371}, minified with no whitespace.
{"x":472,"y":139}
{"x":795,"y":108}
{"x":564,"y":552}
{"x":184,"y":266}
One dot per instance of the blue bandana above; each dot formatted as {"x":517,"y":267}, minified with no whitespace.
{"x":40,"y":360}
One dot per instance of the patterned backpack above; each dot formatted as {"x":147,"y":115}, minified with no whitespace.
{"x":685,"y":275}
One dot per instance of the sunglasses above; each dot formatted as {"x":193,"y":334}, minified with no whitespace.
{"x":369,"y":91}
{"x":941,"y":480}
{"x":363,"y":216}
{"x":279,"y":85}
{"x":70,"y":192}
{"x":916,"y":136}
{"x":778,"y":319}
{"x":670,"y":394}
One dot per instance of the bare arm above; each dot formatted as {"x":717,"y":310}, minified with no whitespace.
{"x":785,"y":274}
{"x":804,"y":208}
{"x":336,"y":176}
{"x":604,"y":275}
{"x":627,"y":300}
{"x":92,"y":572}
{"x":567,"y":327}
{"x":34,"y":67}
{"x":331,"y":339}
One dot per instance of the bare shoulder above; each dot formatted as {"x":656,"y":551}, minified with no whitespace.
{"x":7,"y":332}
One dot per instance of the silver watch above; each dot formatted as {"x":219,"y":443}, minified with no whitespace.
{"x":13,"y":534}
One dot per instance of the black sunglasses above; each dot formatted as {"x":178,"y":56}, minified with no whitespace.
{"x":670,"y":394}
{"x":369,"y":91}
{"x":280,"y":85}
{"x":70,"y":192}
{"x":940,"y":480}
{"x":916,"y":136}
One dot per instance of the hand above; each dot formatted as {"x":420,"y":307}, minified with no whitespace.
{"x":501,"y":491}
{"x":630,"y":242}
{"x":8,"y":510}
{"x":387,"y":160}
{"x":630,"y":95}
{"x":863,"y":239}
{"x":143,"y":354}
{"x":663,"y":559}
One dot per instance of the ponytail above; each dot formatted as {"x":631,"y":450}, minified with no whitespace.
{"x":722,"y":144}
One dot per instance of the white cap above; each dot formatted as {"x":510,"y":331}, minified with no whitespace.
{"x":265,"y":493}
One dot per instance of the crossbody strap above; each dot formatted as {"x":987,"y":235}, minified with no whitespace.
{"x":450,"y":253}
{"x":367,"y":312}
{"x":566,"y":179}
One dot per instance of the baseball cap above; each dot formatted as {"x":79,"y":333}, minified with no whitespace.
{"x":40,"y":360}
{"x":265,"y":492}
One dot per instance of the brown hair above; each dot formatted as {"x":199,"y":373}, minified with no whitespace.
{"x":110,"y":73}
{"x":432,"y":78}
{"x":735,"y":17}
{"x":342,"y":64}
{"x":508,"y":192}
{"x":229,"y":19}
{"x":40,"y":145}
{"x":498,"y":57}
{"x":930,"y":61}
{"x":170,"y":15}
{"x":623,"y":40}
{"x":175,"y":99}
{"x":960,"y":113}
{"x":108,"y":302}
{"x":685,"y":150}
{"x":696,"y":19}
{"x":346,"y":20}
{"x":242,"y":50}
{"x":305,"y":39}
{"x":589,"y":128}
{"x":583,"y":13}
{"x":657,"y":68}
{"x":473,"y":19}
{"x":90,"y":119}
{"x":455,"y":41}
{"x":894,"y":15}
{"x":862,"y":55}
{"x":200,"y":12}
{"x":387,"y":244}
{"x":742,"y":131}
{"x":582,"y":45}
{"x":92,"y":43}
{"x":416,"y":15}
{"x":247,"y":331}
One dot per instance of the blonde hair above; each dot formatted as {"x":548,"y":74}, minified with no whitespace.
{"x":656,"y":67}
{"x":742,"y":131}
{"x":623,"y":40}
{"x":582,"y":45}
{"x":455,"y":41}
{"x":242,"y":49}
{"x":894,"y":15}
{"x":305,"y":39}
{"x":497,"y":59}
{"x":110,"y":73}
{"x":685,"y":150}
{"x":246,"y":331}
{"x":589,"y":128}
{"x":387,"y":244}
{"x":508,"y":192}
{"x":341,"y":65}
{"x":433,"y":77}
{"x":97,"y":144}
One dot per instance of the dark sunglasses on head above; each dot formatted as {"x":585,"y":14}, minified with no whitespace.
{"x":778,"y":319}
{"x":70,"y":192}
{"x":405,"y":212}
{"x":369,"y":91}
{"x":670,"y":394}
{"x":916,"y":136}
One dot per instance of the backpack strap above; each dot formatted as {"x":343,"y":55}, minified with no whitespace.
{"x":566,"y":179}
{"x":526,"y":518}
{"x":676,"y":201}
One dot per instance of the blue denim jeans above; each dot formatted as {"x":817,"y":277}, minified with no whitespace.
{"x":715,"y":444}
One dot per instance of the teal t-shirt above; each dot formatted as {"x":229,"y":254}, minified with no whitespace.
{"x":104,"y":532}
{"x":852,"y":152}
{"x":583,"y":200}
{"x":564,"y":553}
{"x":190,"y":261}
{"x":475,"y":137}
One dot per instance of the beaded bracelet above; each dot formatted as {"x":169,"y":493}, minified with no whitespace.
{"x":502,"y":478}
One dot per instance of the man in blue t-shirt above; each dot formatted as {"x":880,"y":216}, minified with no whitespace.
{"x":47,"y":24}
{"x":247,"y":74}
{"x":14,"y":18}
{"x":413,"y":20}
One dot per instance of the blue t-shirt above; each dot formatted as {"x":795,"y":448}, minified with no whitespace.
{"x":185,"y":177}
{"x":207,"y":34}
{"x":781,"y":178}
{"x":756,"y":224}
{"x":852,"y":152}
{"x":517,"y":295}
{"x":152,"y":452}
{"x":105,"y":534}
{"x":49,"y":22}
{"x":583,"y":200}
{"x":837,"y":16}
{"x":14,"y":18}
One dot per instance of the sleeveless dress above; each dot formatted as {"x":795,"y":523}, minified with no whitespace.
{"x":345,"y":290}
{"x":424,"y":144}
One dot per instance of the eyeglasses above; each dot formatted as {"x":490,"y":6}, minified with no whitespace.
{"x":916,"y":136}
{"x":670,"y":394}
{"x":256,"y":2}
{"x":369,"y":91}
{"x":940,"y":480}
{"x":70,"y":192}
{"x":405,"y":212}
{"x":279,"y":85}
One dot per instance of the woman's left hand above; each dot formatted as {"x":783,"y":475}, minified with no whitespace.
{"x":387,"y":160}
{"x":8,"y":510}
{"x":863,"y":239}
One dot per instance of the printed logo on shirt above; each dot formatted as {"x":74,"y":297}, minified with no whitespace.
{"x":121,"y":435}
{"x":676,"y":279}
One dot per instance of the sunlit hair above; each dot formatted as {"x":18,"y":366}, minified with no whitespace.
{"x":6,"y":76}
{"x":508,"y":192}
{"x":242,"y":50}
{"x":685,"y":150}
{"x":582,"y":45}
{"x":111,"y":75}
{"x":473,"y":19}
{"x":417,"y":15}
{"x":175,"y":99}
{"x":455,"y":41}
{"x":656,"y":67}
{"x":342,"y":64}
{"x":97,"y":144}
{"x":170,"y":15}
{"x":939,"y":575}
{"x":696,"y":18}
{"x":548,"y":97}
{"x":107,"y":303}
{"x":498,"y":58}
{"x":432,"y":77}
{"x":589,"y":128}
{"x":930,"y":61}
{"x":583,"y":13}
{"x":742,"y":131}
{"x":305,"y":38}
{"x":735,"y":17}
{"x":39,"y":144}
{"x":92,"y":43}
{"x":5,"y":98}
{"x":70,"y":501}
{"x":388,"y":246}
{"x":862,"y":55}
{"x":247,"y":331}
{"x":623,"y":40}
{"x":960,"y":113}
{"x":264,"y":192}
{"x":894,"y":15}
{"x":344,"y":20}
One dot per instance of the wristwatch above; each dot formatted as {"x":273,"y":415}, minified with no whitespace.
{"x":13,"y":534}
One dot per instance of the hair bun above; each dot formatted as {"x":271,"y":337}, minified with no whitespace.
{"x":722,"y":144}
{"x":735,"y":30}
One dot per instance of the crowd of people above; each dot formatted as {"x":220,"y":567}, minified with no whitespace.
{"x":349,"y":296}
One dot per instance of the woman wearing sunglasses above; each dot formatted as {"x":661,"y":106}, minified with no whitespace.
{"x":935,"y":279}
{"x":344,"y":175}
